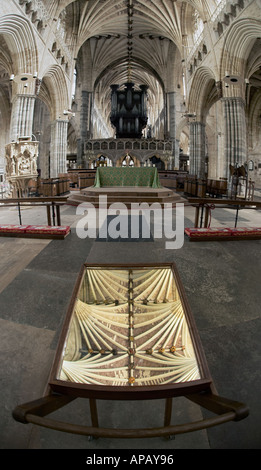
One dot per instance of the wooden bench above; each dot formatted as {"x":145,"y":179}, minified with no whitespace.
{"x":220,"y":233}
{"x":34,"y":231}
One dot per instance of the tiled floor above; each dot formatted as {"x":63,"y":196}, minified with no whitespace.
{"x":222,"y":282}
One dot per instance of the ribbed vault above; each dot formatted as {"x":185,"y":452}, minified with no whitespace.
{"x":130,"y":40}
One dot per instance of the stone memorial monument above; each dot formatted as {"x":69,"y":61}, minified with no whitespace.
{"x":21,"y":165}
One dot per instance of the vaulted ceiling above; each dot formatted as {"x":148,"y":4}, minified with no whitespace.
{"x":129,"y":31}
{"x":130,"y":40}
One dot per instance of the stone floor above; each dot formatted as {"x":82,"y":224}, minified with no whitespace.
{"x":222,"y":283}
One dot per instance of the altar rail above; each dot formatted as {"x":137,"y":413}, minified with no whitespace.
{"x":52,"y":205}
{"x":206,"y":205}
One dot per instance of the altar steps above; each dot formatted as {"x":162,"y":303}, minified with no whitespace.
{"x":126,"y":195}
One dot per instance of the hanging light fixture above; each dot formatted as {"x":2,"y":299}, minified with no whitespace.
{"x":130,"y":38}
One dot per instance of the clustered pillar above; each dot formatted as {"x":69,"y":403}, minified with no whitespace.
{"x":58,"y":154}
{"x":235,"y":150}
{"x":197,"y":149}
{"x":22,"y":117}
{"x":172,"y":125}
{"x":85,"y":124}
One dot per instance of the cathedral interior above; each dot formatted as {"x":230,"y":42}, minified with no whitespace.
{"x":168,"y":88}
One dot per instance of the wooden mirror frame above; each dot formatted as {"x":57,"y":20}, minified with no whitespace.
{"x":59,"y":393}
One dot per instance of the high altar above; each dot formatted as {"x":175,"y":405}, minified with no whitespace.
{"x":126,"y":185}
{"x":127,"y":176}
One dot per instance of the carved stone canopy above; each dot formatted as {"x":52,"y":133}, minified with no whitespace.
{"x":21,"y":159}
{"x":21,"y":165}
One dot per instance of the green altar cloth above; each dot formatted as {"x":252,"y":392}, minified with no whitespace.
{"x":127,"y":176}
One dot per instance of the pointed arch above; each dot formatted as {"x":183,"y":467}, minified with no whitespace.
{"x":54,"y":91}
{"x":203,"y":92}
{"x":20,"y":40}
{"x":238,"y":44}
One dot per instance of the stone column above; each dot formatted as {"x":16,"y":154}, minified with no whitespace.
{"x":80,"y":151}
{"x":171,"y":115}
{"x":85,"y":123}
{"x":235,"y":146}
{"x":22,"y":117}
{"x":172,"y":125}
{"x":58,"y":152}
{"x":197,"y":149}
{"x":177,"y":144}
